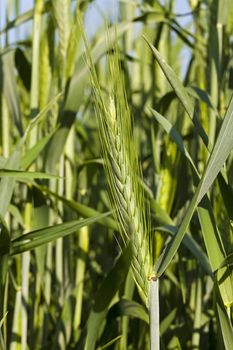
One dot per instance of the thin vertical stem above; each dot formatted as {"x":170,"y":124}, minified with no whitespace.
{"x":34,"y":93}
{"x":83,"y":244}
{"x":197,"y":317}
{"x":154,"y":314}
{"x":25,"y":280}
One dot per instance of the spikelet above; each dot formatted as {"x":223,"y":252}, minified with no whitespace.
{"x":123,"y":172}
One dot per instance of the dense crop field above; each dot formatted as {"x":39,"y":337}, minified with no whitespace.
{"x":116,"y":175}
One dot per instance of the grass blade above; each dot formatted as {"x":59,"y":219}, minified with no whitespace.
{"x":45,"y":235}
{"x":181,"y":93}
{"x":218,"y":156}
{"x":20,"y":174}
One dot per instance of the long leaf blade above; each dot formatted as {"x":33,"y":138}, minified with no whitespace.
{"x":45,"y":235}
{"x":221,"y":150}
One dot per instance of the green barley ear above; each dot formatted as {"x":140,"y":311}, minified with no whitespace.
{"x":122,"y":169}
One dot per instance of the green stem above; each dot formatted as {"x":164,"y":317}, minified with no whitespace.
{"x":35,"y":58}
{"x":154,"y":314}
{"x":83,"y":245}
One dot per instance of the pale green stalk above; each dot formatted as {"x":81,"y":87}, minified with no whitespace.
{"x":154,"y":314}
{"x":59,"y":242}
{"x":83,"y":245}
{"x":61,"y":11}
{"x":45,"y":76}
{"x":47,"y":290}
{"x":34,"y":92}
{"x":5,"y":132}
{"x":83,"y":233}
{"x":74,"y":42}
{"x":213,"y":66}
{"x":14,"y":344}
{"x":69,"y":163}
{"x":34,"y":103}
{"x":197,"y":315}
{"x":59,"y":268}
{"x":25,"y":281}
